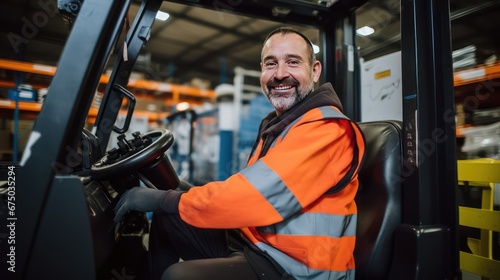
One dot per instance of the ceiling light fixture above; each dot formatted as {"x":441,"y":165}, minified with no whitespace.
{"x":365,"y":31}
{"x":162,"y":16}
{"x":280,"y":11}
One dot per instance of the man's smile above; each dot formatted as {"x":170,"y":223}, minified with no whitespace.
{"x":282,"y":87}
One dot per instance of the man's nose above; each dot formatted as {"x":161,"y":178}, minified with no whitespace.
{"x":281,"y":72}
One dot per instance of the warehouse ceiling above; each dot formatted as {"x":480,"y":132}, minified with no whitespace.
{"x":207,"y":44}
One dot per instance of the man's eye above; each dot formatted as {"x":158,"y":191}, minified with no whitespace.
{"x":269,"y":64}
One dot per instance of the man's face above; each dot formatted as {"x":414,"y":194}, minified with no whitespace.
{"x":287,"y":75}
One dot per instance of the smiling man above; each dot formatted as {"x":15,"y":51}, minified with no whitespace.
{"x":289,"y":68}
{"x":290,"y":214}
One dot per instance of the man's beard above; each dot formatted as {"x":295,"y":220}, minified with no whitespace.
{"x":283,"y":102}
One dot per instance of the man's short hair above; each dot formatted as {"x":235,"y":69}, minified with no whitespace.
{"x":287,"y":30}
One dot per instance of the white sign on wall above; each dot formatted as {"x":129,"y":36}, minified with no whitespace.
{"x":381,"y":88}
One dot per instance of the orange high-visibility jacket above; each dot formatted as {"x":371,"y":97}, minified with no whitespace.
{"x":280,"y":199}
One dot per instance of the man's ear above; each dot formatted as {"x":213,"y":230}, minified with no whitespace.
{"x":316,"y":71}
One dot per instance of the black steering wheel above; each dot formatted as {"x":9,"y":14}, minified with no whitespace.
{"x":134,"y":155}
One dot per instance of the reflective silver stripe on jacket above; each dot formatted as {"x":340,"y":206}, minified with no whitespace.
{"x":301,"y":271}
{"x":328,"y":113}
{"x":280,"y":197}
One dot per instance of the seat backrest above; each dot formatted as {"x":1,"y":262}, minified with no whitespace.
{"x":378,"y":199}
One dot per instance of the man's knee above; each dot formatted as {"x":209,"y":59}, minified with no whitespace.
{"x":179,"y":271}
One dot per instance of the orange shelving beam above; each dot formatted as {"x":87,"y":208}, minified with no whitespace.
{"x":31,"y":106}
{"x":26,"y":106}
{"x":11,"y":84}
{"x":477,"y":74}
{"x":23,"y":105}
{"x":27,"y":67}
{"x":133,"y":83}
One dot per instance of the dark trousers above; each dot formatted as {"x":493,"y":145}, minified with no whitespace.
{"x":206,"y":253}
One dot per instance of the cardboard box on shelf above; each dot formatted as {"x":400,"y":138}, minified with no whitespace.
{"x":24,"y":129}
{"x":200,"y":83}
{"x":150,"y":105}
{"x":460,"y":115}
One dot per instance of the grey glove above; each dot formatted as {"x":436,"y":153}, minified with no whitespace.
{"x":139,"y":199}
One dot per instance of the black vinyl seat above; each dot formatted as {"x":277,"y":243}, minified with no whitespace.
{"x":379,"y":199}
